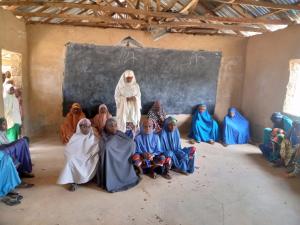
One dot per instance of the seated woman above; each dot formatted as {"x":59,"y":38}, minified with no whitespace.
{"x":235,"y":128}
{"x":279,"y":121}
{"x":9,"y":180}
{"x":68,"y":128}
{"x":290,"y":150}
{"x":204,"y":127}
{"x":81,"y":155}
{"x":115,"y":171}
{"x":182,"y":158}
{"x":18,"y":150}
{"x":100,"y":119}
{"x":149,"y":156}
{"x":158,"y":115}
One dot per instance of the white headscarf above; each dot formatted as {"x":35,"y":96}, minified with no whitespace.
{"x":123,"y":91}
{"x":11,"y":107}
{"x":81,"y":155}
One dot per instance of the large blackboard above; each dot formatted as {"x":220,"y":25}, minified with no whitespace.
{"x":179,"y":79}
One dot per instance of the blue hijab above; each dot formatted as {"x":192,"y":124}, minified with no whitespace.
{"x":292,"y":136}
{"x":148,"y":143}
{"x":204,"y":128}
{"x":236,"y":128}
{"x":170,"y":140}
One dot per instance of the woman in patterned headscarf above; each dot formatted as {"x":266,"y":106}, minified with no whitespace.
{"x":68,"y":128}
{"x":158,"y":115}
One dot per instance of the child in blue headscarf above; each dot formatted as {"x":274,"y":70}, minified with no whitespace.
{"x":235,"y":128}
{"x":149,"y":156}
{"x":182,"y":158}
{"x":204,"y":127}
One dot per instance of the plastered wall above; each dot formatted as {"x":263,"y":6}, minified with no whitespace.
{"x":267,"y":75}
{"x":46,"y":45}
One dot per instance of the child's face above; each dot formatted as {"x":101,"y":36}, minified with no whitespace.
{"x":171,"y":127}
{"x":76,"y":110}
{"x":85,"y":129}
{"x":148,"y":127}
{"x":3,"y":126}
{"x":112,"y":128}
{"x":202,"y":109}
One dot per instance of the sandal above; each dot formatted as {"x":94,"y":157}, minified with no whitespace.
{"x":73,"y":187}
{"x":27,"y":175}
{"x":167,"y":176}
{"x":153,"y":175}
{"x":25,"y":185}
{"x":10,"y":201}
{"x":15,"y":196}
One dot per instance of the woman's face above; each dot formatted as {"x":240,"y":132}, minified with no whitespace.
{"x":102,"y":110}
{"x":202,"y":109}
{"x":171,"y":126}
{"x":111,"y":128}
{"x":148,"y":127}
{"x":3,"y":126}
{"x":85,"y":129}
{"x":129,"y":79}
{"x":231,"y":114}
{"x":76,"y":110}
{"x":11,"y":90}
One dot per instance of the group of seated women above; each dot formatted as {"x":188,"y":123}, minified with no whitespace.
{"x":97,"y":148}
{"x":281,"y":144}
{"x":15,"y":163}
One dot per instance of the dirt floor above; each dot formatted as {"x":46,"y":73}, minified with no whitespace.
{"x":230,"y":186}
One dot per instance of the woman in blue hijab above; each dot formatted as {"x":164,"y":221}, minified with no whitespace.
{"x":235,"y":128}
{"x":182,"y":158}
{"x":149,"y":156}
{"x":204,"y":127}
{"x":279,"y":121}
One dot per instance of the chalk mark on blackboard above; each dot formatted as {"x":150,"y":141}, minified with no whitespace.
{"x":127,"y":56}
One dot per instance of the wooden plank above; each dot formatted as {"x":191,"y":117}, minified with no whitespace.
{"x":141,"y":22}
{"x":157,"y":5}
{"x":264,"y":4}
{"x":128,"y":10}
{"x":80,"y":17}
{"x":186,"y":8}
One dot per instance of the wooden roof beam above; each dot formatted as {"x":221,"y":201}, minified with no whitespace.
{"x":153,"y":14}
{"x":264,"y":4}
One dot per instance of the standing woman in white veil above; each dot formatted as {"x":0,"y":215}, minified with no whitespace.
{"x":128,"y":101}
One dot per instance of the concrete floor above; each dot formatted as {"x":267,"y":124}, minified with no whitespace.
{"x":231,"y":186}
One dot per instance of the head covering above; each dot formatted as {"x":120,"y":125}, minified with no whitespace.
{"x":76,"y":106}
{"x":68,"y":128}
{"x":148,"y":142}
{"x":204,"y":128}
{"x":128,"y":89}
{"x":236,"y":128}
{"x":157,"y":114}
{"x":123,"y":91}
{"x":100,"y":119}
{"x":110,"y":122}
{"x":81,"y":155}
{"x":276,"y":119}
{"x":170,"y":140}
{"x":11,"y":107}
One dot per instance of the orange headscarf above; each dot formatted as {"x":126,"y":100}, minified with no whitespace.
{"x":68,"y":128}
{"x":100,"y":119}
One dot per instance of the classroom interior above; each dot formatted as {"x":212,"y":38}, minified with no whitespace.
{"x":233,"y":185}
